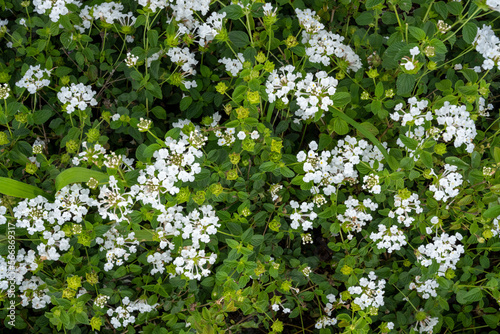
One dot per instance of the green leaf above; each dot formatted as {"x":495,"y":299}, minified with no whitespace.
{"x":471,"y":296}
{"x":393,"y":163}
{"x":418,"y":33}
{"x":286,"y":172}
{"x":469,"y":32}
{"x":153,"y":38}
{"x":491,"y":320}
{"x":233,"y":12}
{"x":41,"y":116}
{"x":232,"y":243}
{"x":440,"y":8}
{"x":340,"y":99}
{"x":426,"y":158}
{"x":379,"y":90}
{"x":457,"y":162}
{"x":340,"y":126}
{"x":496,"y":154}
{"x":373,"y":3}
{"x":268,"y":166}
{"x":405,"y":5}
{"x":185,"y":103}
{"x":409,"y":142}
{"x":120,"y":272}
{"x":365,"y":18}
{"x":159,"y":112}
{"x":76,"y":175}
{"x":405,"y":84}
{"x":239,"y":38}
{"x":19,"y":189}
{"x":144,"y":235}
{"x":324,"y":141}
{"x":492,"y":212}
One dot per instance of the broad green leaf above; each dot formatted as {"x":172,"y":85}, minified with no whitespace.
{"x":19,"y":189}
{"x":469,"y":32}
{"x":77,"y":175}
{"x":239,"y":38}
{"x":492,"y":212}
{"x":405,"y":84}
{"x":340,"y":99}
{"x":233,"y":12}
{"x":457,"y":162}
{"x":144,"y":235}
{"x":418,"y":33}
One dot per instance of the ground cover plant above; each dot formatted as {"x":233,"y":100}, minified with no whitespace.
{"x":245,"y":167}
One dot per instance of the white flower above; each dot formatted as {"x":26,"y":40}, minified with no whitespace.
{"x":241,"y":135}
{"x":77,"y":97}
{"x":415,"y":51}
{"x":34,"y":79}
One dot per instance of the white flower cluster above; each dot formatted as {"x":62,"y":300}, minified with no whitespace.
{"x":3,"y":211}
{"x":447,"y":183}
{"x":34,"y":79}
{"x":183,"y":58}
{"x":309,"y":21}
{"x":113,"y":203}
{"x":404,"y":207}
{"x":457,"y":124}
{"x":275,"y":188}
{"x":371,"y":183}
{"x":415,"y":115}
{"x":331,"y":168}
{"x":191,"y":263}
{"x":483,"y":108}
{"x":15,"y":269}
{"x":313,"y":95}
{"x":56,"y":7}
{"x":107,"y":12}
{"x":427,"y":288}
{"x":77,"y":97}
{"x":496,"y":226}
{"x":281,"y":82}
{"x":172,"y":164}
{"x":131,"y":60}
{"x":226,"y":138}
{"x":455,"y":121}
{"x":493,"y":4}
{"x":391,"y":239}
{"x":325,"y":321}
{"x":303,"y":215}
{"x":154,"y":5}
{"x":488,"y":45}
{"x":195,"y":226}
{"x":97,"y":155}
{"x":356,"y":217}
{"x":122,"y":315}
{"x":328,"y":320}
{"x":38,"y":215}
{"x":35,"y":291}
{"x":233,"y":66}
{"x":444,"y":250}
{"x":322,"y":46}
{"x":118,"y":248}
{"x":427,"y":324}
{"x":207,"y":31}
{"x":371,"y":292}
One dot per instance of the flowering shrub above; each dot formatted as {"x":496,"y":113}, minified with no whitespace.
{"x":290,"y":166}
